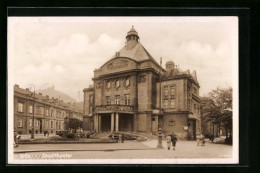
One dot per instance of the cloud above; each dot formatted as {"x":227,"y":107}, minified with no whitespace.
{"x":65,"y":51}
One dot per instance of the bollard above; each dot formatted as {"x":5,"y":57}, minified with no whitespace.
{"x":160,"y":138}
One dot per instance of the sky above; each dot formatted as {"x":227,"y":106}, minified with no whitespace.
{"x":64,"y":51}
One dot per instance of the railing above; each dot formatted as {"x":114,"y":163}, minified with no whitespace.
{"x":114,"y":108}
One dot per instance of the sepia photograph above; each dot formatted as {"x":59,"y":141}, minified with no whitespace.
{"x":123,"y":90}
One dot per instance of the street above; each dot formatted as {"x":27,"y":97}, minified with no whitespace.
{"x":127,"y":150}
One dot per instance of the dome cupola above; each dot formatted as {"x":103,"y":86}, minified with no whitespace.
{"x":132,"y":38}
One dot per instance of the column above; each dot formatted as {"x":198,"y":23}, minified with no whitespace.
{"x":135,"y":123}
{"x":117,"y":122}
{"x":112,"y":122}
{"x":99,"y":122}
{"x":96,"y":122}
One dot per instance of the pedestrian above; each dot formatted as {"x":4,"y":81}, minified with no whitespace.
{"x":198,"y":139}
{"x":211,"y":138}
{"x":168,"y":140}
{"x":203,"y":140}
{"x":48,"y":133}
{"x":44,"y":132}
{"x":173,"y":140}
{"x":123,"y":138}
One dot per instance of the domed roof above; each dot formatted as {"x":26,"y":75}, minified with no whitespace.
{"x":132,"y":32}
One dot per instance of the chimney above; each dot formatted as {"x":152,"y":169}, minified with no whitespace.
{"x":27,"y":89}
{"x":47,"y":96}
{"x":52,"y":98}
{"x":40,"y":94}
{"x":61,"y":101}
{"x":16,"y":86}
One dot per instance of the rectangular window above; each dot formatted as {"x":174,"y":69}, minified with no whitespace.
{"x":20,"y":107}
{"x":91,"y":99}
{"x":172,"y":103}
{"x":127,"y":99}
{"x":189,"y":104}
{"x":47,"y":124}
{"x":30,"y":122}
{"x":166,"y":103}
{"x":35,"y":122}
{"x":41,"y":110}
{"x":52,"y":124}
{"x":195,"y":91}
{"x":117,"y":99}
{"x":195,"y":108}
{"x":30,"y":109}
{"x":173,"y":90}
{"x":20,"y":122}
{"x":108,"y":100}
{"x":166,"y":91}
{"x":90,"y":109}
{"x":188,"y":91}
{"x":47,"y":112}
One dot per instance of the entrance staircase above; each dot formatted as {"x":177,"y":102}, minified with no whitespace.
{"x":102,"y":135}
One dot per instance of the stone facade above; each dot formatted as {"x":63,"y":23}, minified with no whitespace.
{"x":126,"y":95}
{"x":49,"y":113}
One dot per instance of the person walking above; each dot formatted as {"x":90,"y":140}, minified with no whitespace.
{"x":168,"y":140}
{"x":173,"y":140}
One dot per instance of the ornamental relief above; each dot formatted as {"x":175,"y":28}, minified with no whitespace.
{"x":117,"y":64}
{"x":116,"y":83}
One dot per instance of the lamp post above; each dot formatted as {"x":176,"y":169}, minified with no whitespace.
{"x":32,"y":134}
{"x":160,"y":105}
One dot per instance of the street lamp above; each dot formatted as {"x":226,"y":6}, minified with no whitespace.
{"x":32,"y":133}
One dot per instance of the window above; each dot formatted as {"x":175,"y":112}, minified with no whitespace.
{"x":47,"y":112}
{"x":127,"y":82}
{"x":91,"y":99}
{"x":52,"y":124}
{"x":20,"y":122}
{"x":127,"y":99}
{"x":36,"y":122}
{"x":47,"y":124}
{"x":189,"y":104}
{"x":117,"y":83}
{"x":30,"y":109}
{"x":108,"y":84}
{"x":195,"y":108}
{"x":166,"y":92}
{"x":173,"y":90}
{"x":41,"y":110}
{"x":90,"y":109}
{"x":117,"y":99}
{"x":166,"y":103}
{"x":188,"y":91}
{"x":108,"y":100}
{"x":172,"y":103}
{"x":195,"y":91}
{"x":30,"y":122}
{"x":20,"y":107}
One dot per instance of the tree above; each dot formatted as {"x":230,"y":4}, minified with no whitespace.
{"x":218,"y":108}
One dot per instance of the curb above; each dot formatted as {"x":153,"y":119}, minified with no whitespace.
{"x":105,"y":150}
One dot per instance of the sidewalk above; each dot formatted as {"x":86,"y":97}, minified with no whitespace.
{"x":127,"y":145}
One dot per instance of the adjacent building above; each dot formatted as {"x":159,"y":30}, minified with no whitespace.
{"x":48,"y":113}
{"x":132,"y":92}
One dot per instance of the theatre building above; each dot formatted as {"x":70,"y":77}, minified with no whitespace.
{"x":128,"y":92}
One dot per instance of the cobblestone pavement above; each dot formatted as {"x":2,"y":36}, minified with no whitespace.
{"x":127,"y":150}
